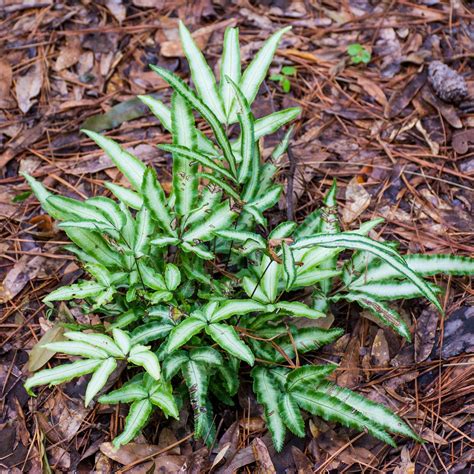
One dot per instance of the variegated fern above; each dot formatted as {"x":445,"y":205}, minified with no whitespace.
{"x":185,"y":281}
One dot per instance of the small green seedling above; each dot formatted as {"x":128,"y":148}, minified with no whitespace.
{"x":358,"y":54}
{"x":283,"y":78}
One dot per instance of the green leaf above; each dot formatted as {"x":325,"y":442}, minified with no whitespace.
{"x":142,"y":356}
{"x":199,"y":157}
{"x":110,"y":209}
{"x":132,"y":168}
{"x":372,"y":410}
{"x":77,"y":209}
{"x":155,"y":201}
{"x":162,"y":397}
{"x":247,"y":238}
{"x":77,"y":348}
{"x":266,"y":390}
{"x":230,"y":67}
{"x":85,"y":289}
{"x":99,"y":379}
{"x":165,"y":241}
{"x":184,"y":332}
{"x":295,"y":308}
{"x":289,"y":266}
{"x":144,"y":231}
{"x":282,"y":230}
{"x":233,"y":307}
{"x":382,"y":312}
{"x":201,"y":252}
{"x":202,"y":75}
{"x":269,"y":199}
{"x":254,"y":290}
{"x":152,"y":331}
{"x":206,"y":355}
{"x":173,"y":362}
{"x":172,"y":277}
{"x":122,"y":339}
{"x":179,"y":86}
{"x":308,"y":374}
{"x":291,"y":414}
{"x":99,"y":340}
{"x":126,"y":394}
{"x":220,"y":218}
{"x":185,"y":181}
{"x":196,"y":376}
{"x":423,"y":265}
{"x":222,"y":184}
{"x":288,"y":70}
{"x":309,"y":226}
{"x":312,"y":276}
{"x":228,"y":339}
{"x":391,"y":290}
{"x":359,"y":242}
{"x":331,"y":409}
{"x":137,"y":418}
{"x":257,"y":70}
{"x":158,"y":109}
{"x":61,"y":373}
{"x":125,"y":195}
{"x":247,"y":138}
{"x":272,"y":122}
{"x":283,"y":145}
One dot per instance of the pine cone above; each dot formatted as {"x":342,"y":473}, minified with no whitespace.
{"x":447,"y":83}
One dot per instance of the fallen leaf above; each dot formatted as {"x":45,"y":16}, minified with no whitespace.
{"x":372,"y":89}
{"x":458,"y":335}
{"x":357,"y":201}
{"x":40,"y":355}
{"x":262,"y":457}
{"x":461,"y":141}
{"x":25,"y":270}
{"x":117,"y":8}
{"x":425,"y":334}
{"x":69,"y":54}
{"x":380,"y":351}
{"x":406,"y":466}
{"x":6,"y":78}
{"x":28,"y":87}
{"x":402,"y":97}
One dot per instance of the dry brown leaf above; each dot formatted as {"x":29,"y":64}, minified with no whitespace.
{"x":262,"y":457}
{"x":6,"y":78}
{"x":69,"y":55}
{"x":380,"y":352}
{"x":40,"y":355}
{"x":372,"y":89}
{"x":357,"y":201}
{"x":117,"y":8}
{"x":28,"y":87}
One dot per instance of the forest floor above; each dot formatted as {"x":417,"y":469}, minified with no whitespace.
{"x":381,"y":129}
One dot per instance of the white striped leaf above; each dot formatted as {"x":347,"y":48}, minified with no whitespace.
{"x":391,"y":290}
{"x":309,"y":226}
{"x":125,"y":195}
{"x":233,"y":307}
{"x":61,"y":373}
{"x":126,"y":394}
{"x":229,"y":340}
{"x":268,"y":394}
{"x":308,"y":376}
{"x":196,"y":376}
{"x":137,"y":418}
{"x":221,"y":184}
{"x":203,"y":77}
{"x":199,"y":157}
{"x":423,"y":265}
{"x":296,"y":308}
{"x":257,"y":70}
{"x":332,"y":409}
{"x":140,"y":355}
{"x":208,"y":200}
{"x":256,"y":214}
{"x":283,"y":230}
{"x":247,"y":138}
{"x":206,"y":355}
{"x":230,"y":67}
{"x":78,"y":209}
{"x":77,"y":348}
{"x":313,"y":276}
{"x":110,"y":209}
{"x":199,"y":250}
{"x":85,"y":289}
{"x":151,"y":277}
{"x":95,"y":245}
{"x":281,"y":148}
{"x":179,"y":86}
{"x":173,"y":363}
{"x":132,"y":168}
{"x":185,"y":180}
{"x":100,"y":273}
{"x":151,"y":331}
{"x":92,"y":226}
{"x":289,"y":266}
{"x":220,"y":218}
{"x":184,"y":332}
{"x":269,"y":199}
{"x":380,"y":311}
{"x":122,"y":339}
{"x":244,"y":237}
{"x":269,"y":277}
{"x":143,"y":232}
{"x":155,"y":200}
{"x":162,"y":397}
{"x":172,"y":277}
{"x":165,"y":241}
{"x":359,"y":242}
{"x":372,"y":410}
{"x":291,"y":414}
{"x":99,"y":379}
{"x":125,"y":319}
{"x":254,"y":290}
{"x":99,"y":340}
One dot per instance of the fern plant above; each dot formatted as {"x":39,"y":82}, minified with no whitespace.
{"x":193,"y":285}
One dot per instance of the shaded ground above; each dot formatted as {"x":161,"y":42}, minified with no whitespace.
{"x":396,"y":149}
